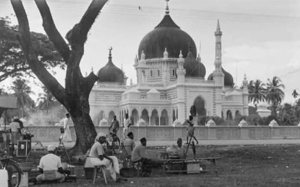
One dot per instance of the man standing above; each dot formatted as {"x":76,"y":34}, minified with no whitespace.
{"x":127,"y":124}
{"x":50,"y":167}
{"x":129,"y":143}
{"x":15,"y":131}
{"x":115,"y":125}
{"x":97,"y":156}
{"x":67,"y":133}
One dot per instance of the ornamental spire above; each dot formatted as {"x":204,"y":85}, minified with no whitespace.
{"x":109,"y":55}
{"x":167,"y":7}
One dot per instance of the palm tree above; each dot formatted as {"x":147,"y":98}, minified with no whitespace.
{"x":257,"y":91}
{"x":22,"y":91}
{"x":275,"y":93}
{"x":46,"y":100}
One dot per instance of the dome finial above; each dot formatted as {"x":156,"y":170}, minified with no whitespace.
{"x":167,"y":7}
{"x":92,"y":69}
{"x":109,"y":55}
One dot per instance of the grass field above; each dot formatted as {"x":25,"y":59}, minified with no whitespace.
{"x":245,"y":166}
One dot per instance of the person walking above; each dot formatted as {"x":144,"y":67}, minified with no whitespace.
{"x":67,"y":133}
{"x":115,"y":126}
{"x":127,"y":124}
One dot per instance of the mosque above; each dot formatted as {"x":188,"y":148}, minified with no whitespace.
{"x":171,"y":83}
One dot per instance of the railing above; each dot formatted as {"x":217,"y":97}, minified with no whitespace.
{"x":170,"y":133}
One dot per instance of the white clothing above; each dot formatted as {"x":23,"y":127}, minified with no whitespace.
{"x":67,"y":134}
{"x":126,"y":127}
{"x":50,"y":162}
{"x":14,"y":126}
{"x":96,"y":150}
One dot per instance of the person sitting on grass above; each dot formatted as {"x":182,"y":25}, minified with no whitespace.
{"x":176,"y":149}
{"x":50,"y":167}
{"x":139,"y":155}
{"x":97,"y":156}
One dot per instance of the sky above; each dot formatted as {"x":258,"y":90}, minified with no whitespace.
{"x":260,"y":37}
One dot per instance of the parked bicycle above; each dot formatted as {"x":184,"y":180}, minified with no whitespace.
{"x":13,"y":169}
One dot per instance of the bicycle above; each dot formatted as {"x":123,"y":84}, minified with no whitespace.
{"x":13,"y":169}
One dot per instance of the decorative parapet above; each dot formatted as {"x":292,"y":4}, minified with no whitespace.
{"x":141,"y":122}
{"x":103,"y":122}
{"x":273,"y":123}
{"x":176,"y":123}
{"x":243,"y":123}
{"x":210,"y":123}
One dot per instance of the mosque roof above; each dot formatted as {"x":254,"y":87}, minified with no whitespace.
{"x":166,"y":35}
{"x":110,"y":72}
{"x":193,"y":67}
{"x":228,"y":79}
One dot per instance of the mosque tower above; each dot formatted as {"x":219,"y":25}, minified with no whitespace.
{"x":218,"y":74}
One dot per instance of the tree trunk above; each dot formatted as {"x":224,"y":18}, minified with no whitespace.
{"x":84,"y":127}
{"x":75,"y":95}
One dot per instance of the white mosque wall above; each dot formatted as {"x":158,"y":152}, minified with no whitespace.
{"x":171,"y":133}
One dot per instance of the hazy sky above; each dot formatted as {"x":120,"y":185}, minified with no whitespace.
{"x":260,"y":37}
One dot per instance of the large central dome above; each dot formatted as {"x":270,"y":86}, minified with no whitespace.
{"x":166,"y":35}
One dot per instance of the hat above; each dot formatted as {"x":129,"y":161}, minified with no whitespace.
{"x":100,"y":134}
{"x":129,"y":134}
{"x":51,"y":148}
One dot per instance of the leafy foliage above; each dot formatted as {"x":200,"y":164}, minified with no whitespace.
{"x":12,"y":60}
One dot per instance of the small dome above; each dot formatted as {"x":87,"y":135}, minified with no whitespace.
{"x":228,"y":79}
{"x":193,"y":67}
{"x":166,"y":35}
{"x":110,"y":72}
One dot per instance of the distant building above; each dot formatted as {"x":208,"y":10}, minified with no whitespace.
{"x":170,"y":82}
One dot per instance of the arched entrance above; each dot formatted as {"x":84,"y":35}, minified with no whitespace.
{"x":199,"y":106}
{"x":110,"y":117}
{"x":228,"y":115}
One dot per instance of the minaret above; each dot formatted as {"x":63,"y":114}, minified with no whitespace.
{"x":218,"y":75}
{"x":245,"y":96}
{"x":180,"y":89}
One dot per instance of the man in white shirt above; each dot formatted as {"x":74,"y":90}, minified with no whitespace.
{"x":127,"y":124}
{"x":129,"y":143}
{"x":97,"y":156}
{"x":15,"y":131}
{"x":50,"y":167}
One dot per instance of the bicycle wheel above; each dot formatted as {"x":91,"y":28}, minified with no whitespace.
{"x":14,"y":173}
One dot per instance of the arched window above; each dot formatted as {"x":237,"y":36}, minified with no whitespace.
{"x":158,"y":73}
{"x":174,"y":72}
{"x":145,"y":116}
{"x":154,"y":118}
{"x":228,"y":115}
{"x":164,"y":119}
{"x":134,"y":116}
{"x":150,"y":73}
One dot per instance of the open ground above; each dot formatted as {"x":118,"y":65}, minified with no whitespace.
{"x":240,"y":165}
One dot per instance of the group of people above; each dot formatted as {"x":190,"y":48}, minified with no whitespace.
{"x":51,"y":164}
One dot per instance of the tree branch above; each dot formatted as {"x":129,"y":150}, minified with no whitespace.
{"x":52,"y":31}
{"x":78,"y":34}
{"x":24,"y":37}
{"x":89,"y":82}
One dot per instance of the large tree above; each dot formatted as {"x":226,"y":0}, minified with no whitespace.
{"x":275,"y":94}
{"x":12,"y":60}
{"x":74,"y":96}
{"x":257,"y":92}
